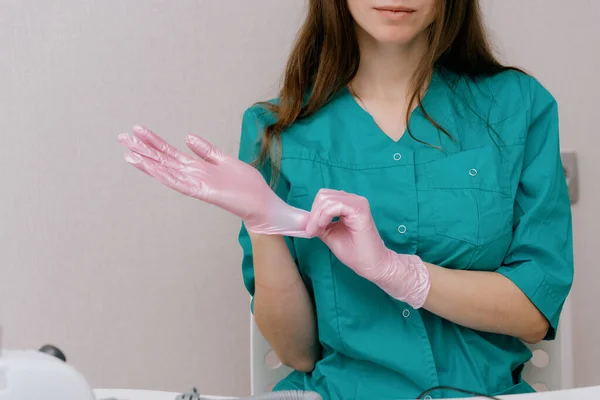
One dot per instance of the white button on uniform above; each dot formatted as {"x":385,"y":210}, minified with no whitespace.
{"x":397,"y":157}
{"x":406,"y":313}
{"x":402,"y":229}
{"x":472,"y":172}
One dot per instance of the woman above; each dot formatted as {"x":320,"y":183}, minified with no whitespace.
{"x":450,"y":244}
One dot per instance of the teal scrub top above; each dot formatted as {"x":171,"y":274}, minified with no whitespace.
{"x":494,"y":198}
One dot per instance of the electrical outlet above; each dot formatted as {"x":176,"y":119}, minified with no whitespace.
{"x":569,"y":161}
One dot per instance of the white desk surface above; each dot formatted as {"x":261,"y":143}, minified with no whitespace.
{"x":582,"y":393}
{"x":124,"y":394}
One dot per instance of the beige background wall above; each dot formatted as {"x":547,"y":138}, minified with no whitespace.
{"x":141,"y":287}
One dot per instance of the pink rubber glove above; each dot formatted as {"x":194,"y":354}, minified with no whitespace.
{"x":355,"y":241}
{"x":215,"y":178}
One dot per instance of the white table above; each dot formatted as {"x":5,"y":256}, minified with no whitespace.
{"x":573,"y":394}
{"x":123,"y":394}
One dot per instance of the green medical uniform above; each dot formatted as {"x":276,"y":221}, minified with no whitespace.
{"x":491,"y":198}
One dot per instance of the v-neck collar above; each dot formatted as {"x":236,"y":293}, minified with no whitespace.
{"x":435,"y":92}
{"x":435,"y":101}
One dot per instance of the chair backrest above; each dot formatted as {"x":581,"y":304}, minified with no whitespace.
{"x":551,"y":366}
{"x":544,"y":371}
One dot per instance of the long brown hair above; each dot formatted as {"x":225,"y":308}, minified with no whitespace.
{"x":326,"y":56}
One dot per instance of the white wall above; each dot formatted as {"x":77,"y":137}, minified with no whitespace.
{"x":141,"y":287}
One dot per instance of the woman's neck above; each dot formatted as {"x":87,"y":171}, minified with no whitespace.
{"x":385,"y":70}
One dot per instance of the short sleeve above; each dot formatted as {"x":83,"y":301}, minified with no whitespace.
{"x":253,"y":124}
{"x":540,"y":258}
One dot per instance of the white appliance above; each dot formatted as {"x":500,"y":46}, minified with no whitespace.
{"x":40,"y":374}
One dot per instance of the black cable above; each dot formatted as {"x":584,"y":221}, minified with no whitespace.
{"x":433,"y":389}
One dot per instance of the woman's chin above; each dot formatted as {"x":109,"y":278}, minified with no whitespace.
{"x":395,"y":36}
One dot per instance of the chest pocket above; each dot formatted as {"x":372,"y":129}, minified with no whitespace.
{"x":471,"y":196}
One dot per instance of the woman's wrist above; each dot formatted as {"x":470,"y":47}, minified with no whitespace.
{"x":274,"y":266}
{"x":406,"y":279}
{"x":259,"y":238}
{"x":276,"y":217}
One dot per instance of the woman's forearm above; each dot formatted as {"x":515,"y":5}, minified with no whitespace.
{"x":283,"y":309}
{"x":484,"y":301}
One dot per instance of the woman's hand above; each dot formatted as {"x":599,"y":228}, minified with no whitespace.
{"x":215,"y":178}
{"x":355,"y":241}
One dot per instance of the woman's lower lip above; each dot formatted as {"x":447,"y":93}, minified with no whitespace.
{"x":394,"y":14}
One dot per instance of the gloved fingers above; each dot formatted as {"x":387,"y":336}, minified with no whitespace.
{"x":158,"y":143}
{"x":205,"y":150}
{"x":151,"y":167}
{"x":172,"y":179}
{"x":350,"y":204}
{"x":356,"y":203}
{"x":321,"y":215}
{"x":135,"y":160}
{"x":352,"y":210}
{"x":327,"y":193}
{"x":193,"y":166}
{"x":134,"y":144}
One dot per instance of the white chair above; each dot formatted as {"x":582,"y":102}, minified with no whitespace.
{"x":544,"y":372}
{"x":551,"y":367}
